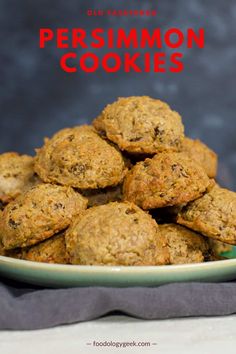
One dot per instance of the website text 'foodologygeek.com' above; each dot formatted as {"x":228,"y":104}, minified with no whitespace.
{"x":119,"y":344}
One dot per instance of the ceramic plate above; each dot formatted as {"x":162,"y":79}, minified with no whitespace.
{"x":59,"y":275}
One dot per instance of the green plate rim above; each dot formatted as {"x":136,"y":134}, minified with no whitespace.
{"x":116,"y":269}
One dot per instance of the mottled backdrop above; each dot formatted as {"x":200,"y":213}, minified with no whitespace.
{"x":37,"y":98}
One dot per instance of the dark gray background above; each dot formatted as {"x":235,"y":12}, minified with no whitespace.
{"x":37,"y":98}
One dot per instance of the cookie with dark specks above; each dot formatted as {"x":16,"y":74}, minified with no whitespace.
{"x":80,"y":158}
{"x":38,"y":214}
{"x":52,"y":250}
{"x":213,"y":215}
{"x":141,"y":124}
{"x":205,"y":156}
{"x":16,"y":175}
{"x":15,"y":253}
{"x":167,"y":179}
{"x":185,"y":246}
{"x":116,"y":234}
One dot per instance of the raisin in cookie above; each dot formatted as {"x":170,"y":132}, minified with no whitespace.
{"x":165,"y":180}
{"x":199,"y":151}
{"x":16,"y":175}
{"x":185,"y":246}
{"x":15,"y":253}
{"x":116,"y":234}
{"x":141,"y":125}
{"x":38,"y":214}
{"x":80,"y":158}
{"x":213,"y":215}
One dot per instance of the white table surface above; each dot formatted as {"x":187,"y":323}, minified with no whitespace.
{"x":210,"y":335}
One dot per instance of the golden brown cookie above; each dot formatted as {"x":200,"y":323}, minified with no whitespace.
{"x":103,"y":196}
{"x":213,"y":215}
{"x":2,"y":251}
{"x":141,"y":124}
{"x":80,"y":158}
{"x":199,"y":151}
{"x":165,"y":180}
{"x":185,"y":246}
{"x":52,"y":250}
{"x":16,"y":175}
{"x":116,"y":234}
{"x":14,"y":253}
{"x":38,"y":214}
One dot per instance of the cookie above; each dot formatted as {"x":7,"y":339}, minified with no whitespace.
{"x":2,"y":250}
{"x":14,"y":253}
{"x":116,"y":234}
{"x":103,"y":196}
{"x":167,"y":179}
{"x":52,"y":250}
{"x":141,"y":125}
{"x":38,"y":214}
{"x":80,"y":158}
{"x":185,"y":246}
{"x":213,"y":215}
{"x":16,"y":175}
{"x":199,"y":151}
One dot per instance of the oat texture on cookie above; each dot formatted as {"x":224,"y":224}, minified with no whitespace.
{"x":80,"y":158}
{"x":199,"y":151}
{"x":185,"y":246}
{"x":38,"y":214}
{"x":116,"y":234}
{"x":213,"y":215}
{"x":16,"y":175}
{"x":168,"y":179}
{"x":141,"y":124}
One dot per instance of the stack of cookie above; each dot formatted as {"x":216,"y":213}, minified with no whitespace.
{"x":129,"y":190}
